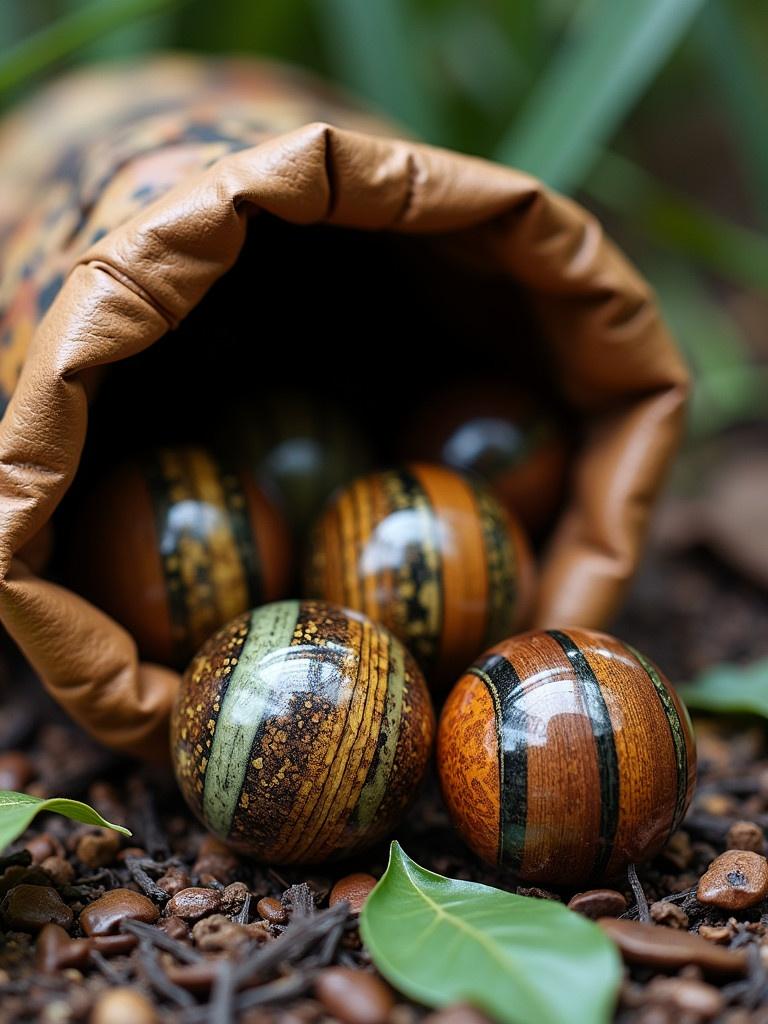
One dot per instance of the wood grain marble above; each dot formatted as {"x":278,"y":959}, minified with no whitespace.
{"x":431,"y":555}
{"x":565,"y":755}
{"x":301,"y":732}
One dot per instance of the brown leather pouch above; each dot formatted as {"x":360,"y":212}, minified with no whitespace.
{"x":126,"y":193}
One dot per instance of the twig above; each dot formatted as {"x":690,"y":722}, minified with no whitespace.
{"x":158,"y":979}
{"x":241,"y":917}
{"x":643,"y":912}
{"x":149,"y":935}
{"x":113,"y":977}
{"x":137,"y":868}
{"x":222,"y":994}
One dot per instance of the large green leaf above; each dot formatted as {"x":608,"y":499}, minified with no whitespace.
{"x":612,"y":54}
{"x":520,"y":960}
{"x":730,"y":689}
{"x":18,"y":809}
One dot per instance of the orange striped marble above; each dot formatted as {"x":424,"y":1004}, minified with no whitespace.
{"x":566,"y":755}
{"x":429,"y":554}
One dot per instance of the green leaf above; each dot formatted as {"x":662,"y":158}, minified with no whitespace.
{"x":18,"y":809}
{"x":730,"y":689}
{"x":607,"y":61}
{"x":68,"y":34}
{"x":520,"y":960}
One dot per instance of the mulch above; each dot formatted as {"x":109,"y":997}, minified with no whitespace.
{"x":686,"y":610}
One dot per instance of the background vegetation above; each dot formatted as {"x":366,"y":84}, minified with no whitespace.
{"x":653,"y":112}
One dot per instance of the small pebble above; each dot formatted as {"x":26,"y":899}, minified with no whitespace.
{"x":217,"y":934}
{"x":105,"y":915}
{"x":721,"y":934}
{"x":352,"y":889}
{"x":196,"y":978}
{"x":596,"y":903}
{"x":175,"y":928}
{"x":735,"y":880}
{"x":134,"y":852}
{"x":174,"y":880}
{"x":97,"y":849}
{"x":233,"y":897}
{"x":272,"y":910}
{"x":697,"y":998}
{"x":59,"y":870}
{"x":668,"y":948}
{"x":16,"y":770}
{"x":193,"y":903}
{"x":123,"y":1006}
{"x":27,"y":908}
{"x":354,"y":997}
{"x":745,"y":835}
{"x":43,"y":846}
{"x":55,"y":950}
{"x":669,"y":914}
{"x":113,"y":945}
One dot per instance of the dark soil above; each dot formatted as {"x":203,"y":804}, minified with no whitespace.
{"x":685,"y":610}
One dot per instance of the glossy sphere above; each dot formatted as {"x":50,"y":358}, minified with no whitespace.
{"x":301,"y":732}
{"x":494,"y":431}
{"x":565,"y":755}
{"x":175,"y":545}
{"x":429,"y":554}
{"x":299,"y":449}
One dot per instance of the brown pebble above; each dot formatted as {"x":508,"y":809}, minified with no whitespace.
{"x":175,"y":928}
{"x":354,"y":997}
{"x":55,"y":950}
{"x":735,"y":880}
{"x":193,"y":977}
{"x":174,"y":880}
{"x":16,"y":770}
{"x":18,"y":874}
{"x":652,"y":946}
{"x":105,"y":915}
{"x":669,"y":914}
{"x":217,"y":934}
{"x":97,"y":849}
{"x":123,"y":1006}
{"x":352,"y":889}
{"x":194,"y":903}
{"x":43,"y":846}
{"x":745,"y":835}
{"x":27,"y":908}
{"x":272,"y":910}
{"x":134,"y":852}
{"x":233,"y":897}
{"x":459,"y":1013}
{"x":720,"y":934}
{"x":697,"y":998}
{"x":59,"y":870}
{"x":596,"y":903}
{"x":113,"y":945}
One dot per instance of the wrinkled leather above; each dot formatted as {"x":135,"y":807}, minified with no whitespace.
{"x":613,"y":357}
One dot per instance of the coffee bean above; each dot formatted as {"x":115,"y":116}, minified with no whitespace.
{"x":669,"y":914}
{"x":193,"y":903}
{"x":272,"y":910}
{"x":352,"y":889}
{"x":596,"y":903}
{"x":745,"y":835}
{"x":105,"y":915}
{"x":175,"y":928}
{"x":123,"y":1006}
{"x":174,"y":880}
{"x":668,"y":948}
{"x":735,"y":880}
{"x":16,"y":770}
{"x":27,"y":908}
{"x":233,"y":898}
{"x":354,"y":997}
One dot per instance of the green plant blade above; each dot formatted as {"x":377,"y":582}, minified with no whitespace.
{"x":605,"y":64}
{"x":520,"y":960}
{"x":17,"y":810}
{"x":730,"y":689}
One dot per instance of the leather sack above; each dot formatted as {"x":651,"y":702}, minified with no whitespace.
{"x":126,"y":192}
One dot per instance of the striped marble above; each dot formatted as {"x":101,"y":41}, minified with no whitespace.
{"x":431,"y":555}
{"x":301,"y":732}
{"x":566,"y":755}
{"x":176,"y":544}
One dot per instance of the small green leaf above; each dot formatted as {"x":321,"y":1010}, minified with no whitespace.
{"x":18,"y":809}
{"x":730,"y":689}
{"x":520,"y":960}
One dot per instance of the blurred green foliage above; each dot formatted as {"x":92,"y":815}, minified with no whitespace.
{"x":652,"y":111}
